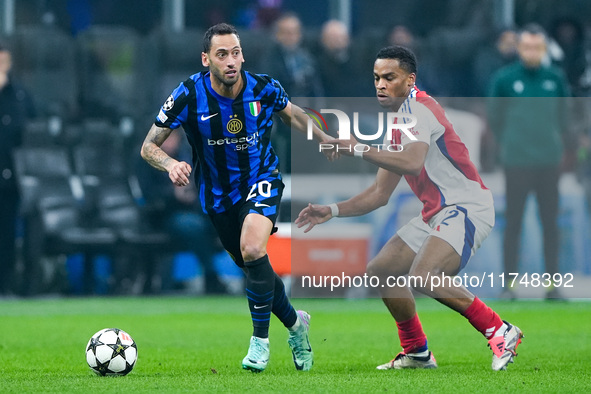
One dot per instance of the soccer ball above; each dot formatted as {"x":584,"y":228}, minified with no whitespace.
{"x":111,"y":352}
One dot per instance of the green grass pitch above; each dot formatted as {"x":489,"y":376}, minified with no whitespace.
{"x":196,"y":344}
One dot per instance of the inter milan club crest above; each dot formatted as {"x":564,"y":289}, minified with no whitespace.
{"x":255,"y":108}
{"x":234,"y":125}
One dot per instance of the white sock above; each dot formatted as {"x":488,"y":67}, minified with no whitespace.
{"x":296,"y":326}
{"x":424,"y":353}
{"x":501,"y":331}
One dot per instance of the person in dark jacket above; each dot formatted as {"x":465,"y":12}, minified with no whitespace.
{"x":288,"y":61}
{"x":15,"y":107}
{"x":528,"y":115}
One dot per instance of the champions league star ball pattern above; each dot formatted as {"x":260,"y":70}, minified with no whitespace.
{"x":169,"y":103}
{"x":111,"y":352}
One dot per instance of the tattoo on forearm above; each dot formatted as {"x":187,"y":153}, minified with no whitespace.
{"x":158,"y":135}
{"x":151,"y":151}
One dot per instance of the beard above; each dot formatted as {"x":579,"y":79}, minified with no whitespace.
{"x":223,"y":78}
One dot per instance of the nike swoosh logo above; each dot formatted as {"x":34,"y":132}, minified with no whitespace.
{"x":204,"y":118}
{"x":260,"y":306}
{"x":259,"y":361}
{"x":258,"y":205}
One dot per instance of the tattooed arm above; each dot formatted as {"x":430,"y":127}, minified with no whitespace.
{"x":178,"y":171}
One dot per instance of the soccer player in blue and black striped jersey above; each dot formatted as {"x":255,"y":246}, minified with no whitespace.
{"x":227,"y":116}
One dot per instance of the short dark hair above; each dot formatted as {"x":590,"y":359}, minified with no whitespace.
{"x":284,"y":16}
{"x":221,"y":29}
{"x":533,"y":29}
{"x":406,"y":58}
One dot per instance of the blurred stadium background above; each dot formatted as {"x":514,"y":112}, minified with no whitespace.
{"x":98,"y":71}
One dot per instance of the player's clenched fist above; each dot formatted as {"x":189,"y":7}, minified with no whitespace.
{"x":179,"y":173}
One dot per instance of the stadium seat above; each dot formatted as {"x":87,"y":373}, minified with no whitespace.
{"x":50,"y":131}
{"x":67,"y":229}
{"x":175,"y":57}
{"x":58,"y":219}
{"x":37,"y":133}
{"x":42,"y":172}
{"x":110,"y":65}
{"x":44,"y":62}
{"x":115,"y":194}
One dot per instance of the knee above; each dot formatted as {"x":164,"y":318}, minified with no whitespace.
{"x":380,"y":268}
{"x":418,"y":279}
{"x":251,"y":252}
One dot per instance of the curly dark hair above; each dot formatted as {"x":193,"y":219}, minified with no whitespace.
{"x":406,"y":58}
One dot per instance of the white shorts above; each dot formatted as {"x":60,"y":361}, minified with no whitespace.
{"x":464,"y":227}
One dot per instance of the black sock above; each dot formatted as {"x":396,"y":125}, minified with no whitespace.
{"x":260,"y":288}
{"x":282,"y":308}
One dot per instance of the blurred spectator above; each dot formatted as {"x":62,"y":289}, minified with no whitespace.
{"x":401,"y":35}
{"x":339,"y":66}
{"x":15,"y":107}
{"x":570,"y":37}
{"x":491,"y":58}
{"x":178,"y":211}
{"x":544,"y":12}
{"x":267,"y":12}
{"x":463,"y":26}
{"x":289,"y":62}
{"x":528,"y":114}
{"x":428,"y":78}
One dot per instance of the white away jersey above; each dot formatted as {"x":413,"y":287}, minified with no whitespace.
{"x":448,"y":176}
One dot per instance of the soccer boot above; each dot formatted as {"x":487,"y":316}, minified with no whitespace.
{"x":504,"y":347}
{"x":508,"y":294}
{"x":303,"y":356}
{"x":258,"y":355}
{"x":408,"y":361}
{"x":553,"y":294}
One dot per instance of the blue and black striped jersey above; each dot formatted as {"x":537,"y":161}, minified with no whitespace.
{"x":230,"y":138}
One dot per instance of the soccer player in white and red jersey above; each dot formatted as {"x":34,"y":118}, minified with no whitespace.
{"x":458,"y":214}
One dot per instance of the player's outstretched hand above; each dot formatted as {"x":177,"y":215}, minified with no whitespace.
{"x":179,"y":173}
{"x":331,"y":154}
{"x":328,"y":150}
{"x":312,"y":215}
{"x":342,"y":146}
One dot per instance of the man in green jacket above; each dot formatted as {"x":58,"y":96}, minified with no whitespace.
{"x":528,"y":115}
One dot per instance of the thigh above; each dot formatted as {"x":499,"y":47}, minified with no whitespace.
{"x":228,"y":226}
{"x":436,"y":257}
{"x":394,"y":259}
{"x":250,"y":221}
{"x":259,"y":212}
{"x":254,"y":236}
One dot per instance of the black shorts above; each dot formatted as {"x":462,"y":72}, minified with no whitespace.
{"x":263,"y":198}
